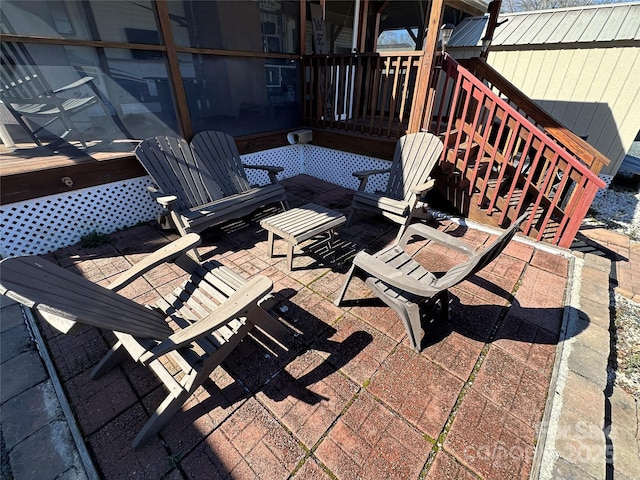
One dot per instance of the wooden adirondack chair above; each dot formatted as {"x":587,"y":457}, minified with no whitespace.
{"x":182,"y":339}
{"x":204,"y":184}
{"x":27,"y":95}
{"x":415,"y":156}
{"x":410,"y":289}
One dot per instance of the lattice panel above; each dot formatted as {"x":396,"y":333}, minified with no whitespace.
{"x":289,"y":157}
{"x":49,"y":223}
{"x":46,"y":224}
{"x":607,"y":179}
{"x":337,"y":167}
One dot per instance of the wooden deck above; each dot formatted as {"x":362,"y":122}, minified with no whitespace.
{"x":27,"y":157}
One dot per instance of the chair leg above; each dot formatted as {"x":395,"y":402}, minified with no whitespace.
{"x":160,"y":417}
{"x":349,"y":218}
{"x":343,"y":290}
{"x":415,"y":335}
{"x":407,"y":222}
{"x":444,"y":303}
{"x":114,"y":357}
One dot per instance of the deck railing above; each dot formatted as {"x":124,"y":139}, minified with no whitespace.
{"x":502,"y":151}
{"x":505,"y":162}
{"x":366,"y":93}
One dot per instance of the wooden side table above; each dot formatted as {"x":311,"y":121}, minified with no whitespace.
{"x":300,"y":224}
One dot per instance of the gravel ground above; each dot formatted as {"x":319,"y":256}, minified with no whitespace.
{"x":618,"y":208}
{"x":624,"y":370}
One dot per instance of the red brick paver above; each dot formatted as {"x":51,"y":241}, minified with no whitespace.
{"x":371,"y":442}
{"x":346,"y":398}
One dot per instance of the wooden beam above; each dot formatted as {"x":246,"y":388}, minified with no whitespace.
{"x":422,"y":99}
{"x":79,"y":43}
{"x":28,"y":178}
{"x":263,"y":141}
{"x":363,"y":33}
{"x":376,"y":32}
{"x":494,"y":11}
{"x":142,"y":46}
{"x":88,"y":173}
{"x":383,"y":148}
{"x":303,"y":26}
{"x":175,"y":76}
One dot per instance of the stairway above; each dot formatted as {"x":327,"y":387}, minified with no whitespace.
{"x":487,"y":188}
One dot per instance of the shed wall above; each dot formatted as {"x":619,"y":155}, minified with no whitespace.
{"x":595,"y":92}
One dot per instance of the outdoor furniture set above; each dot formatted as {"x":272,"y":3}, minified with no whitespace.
{"x":187,"y":334}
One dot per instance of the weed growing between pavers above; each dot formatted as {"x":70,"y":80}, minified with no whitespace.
{"x":95,"y":239}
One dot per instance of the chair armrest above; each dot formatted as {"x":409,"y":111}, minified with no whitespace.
{"x":429,"y":233}
{"x":423,"y":188}
{"x":367,"y":173}
{"x":161,"y":197}
{"x":272,"y":170}
{"x":268,"y":168}
{"x":237,"y":305}
{"x":73,"y":85}
{"x":166,"y":254}
{"x":363,"y":176}
{"x":166,"y":201}
{"x":390,"y":275}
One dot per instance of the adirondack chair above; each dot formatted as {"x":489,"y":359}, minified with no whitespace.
{"x":211,"y":314}
{"x":410,"y":289}
{"x":204,"y":184}
{"x":415,"y":156}
{"x":27,"y":95}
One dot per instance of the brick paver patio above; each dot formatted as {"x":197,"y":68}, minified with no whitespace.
{"x":349,"y":399}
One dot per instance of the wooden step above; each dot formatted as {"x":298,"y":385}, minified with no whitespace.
{"x":454,"y":187}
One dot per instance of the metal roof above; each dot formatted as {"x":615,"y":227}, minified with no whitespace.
{"x":596,"y":23}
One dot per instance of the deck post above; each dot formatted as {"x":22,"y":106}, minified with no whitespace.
{"x":421,"y":101}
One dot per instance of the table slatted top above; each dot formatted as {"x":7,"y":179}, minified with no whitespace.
{"x":299,"y":224}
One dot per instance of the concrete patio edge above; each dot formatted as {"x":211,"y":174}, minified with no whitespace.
{"x":40,"y":436}
{"x":85,"y":457}
{"x":573,"y":439}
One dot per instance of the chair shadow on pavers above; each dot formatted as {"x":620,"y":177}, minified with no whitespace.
{"x":416,"y":285}
{"x":182,"y":339}
{"x":252,"y":364}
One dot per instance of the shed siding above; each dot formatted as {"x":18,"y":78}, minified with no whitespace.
{"x":595,"y":91}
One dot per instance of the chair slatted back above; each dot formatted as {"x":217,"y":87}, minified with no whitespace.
{"x":219,"y":153}
{"x":21,"y":79}
{"x":46,"y":287}
{"x":415,"y":156}
{"x":480,"y":260}
{"x":171,"y":164}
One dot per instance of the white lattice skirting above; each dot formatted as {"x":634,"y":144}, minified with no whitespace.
{"x":46,"y":224}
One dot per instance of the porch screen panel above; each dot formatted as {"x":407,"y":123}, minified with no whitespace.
{"x":137,"y":84}
{"x":122,"y":22}
{"x":244,"y":26}
{"x":112,"y":21}
{"x":53,"y":19}
{"x":241,"y":95}
{"x":108,"y":95}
